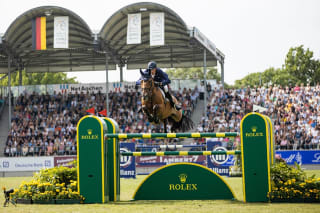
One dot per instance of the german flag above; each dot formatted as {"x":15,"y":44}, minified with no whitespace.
{"x":39,"y":35}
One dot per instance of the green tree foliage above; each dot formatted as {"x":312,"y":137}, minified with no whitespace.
{"x":38,"y":79}
{"x":193,"y":73}
{"x":301,"y":65}
{"x":250,"y":80}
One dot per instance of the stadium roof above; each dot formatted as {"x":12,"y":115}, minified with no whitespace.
{"x":87,"y":51}
{"x":80,"y":56}
{"x":182,"y":47}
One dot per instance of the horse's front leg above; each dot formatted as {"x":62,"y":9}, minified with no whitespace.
{"x":146,"y":111}
{"x":155,"y":111}
{"x":165,"y":121}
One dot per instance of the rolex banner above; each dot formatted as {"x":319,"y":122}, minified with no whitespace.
{"x":156,"y":29}
{"x":61,"y":32}
{"x":134,"y":29}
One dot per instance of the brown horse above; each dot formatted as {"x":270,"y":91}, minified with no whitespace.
{"x":157,"y":108}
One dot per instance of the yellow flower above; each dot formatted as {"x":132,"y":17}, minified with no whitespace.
{"x":57,"y":190}
{"x":302,"y":184}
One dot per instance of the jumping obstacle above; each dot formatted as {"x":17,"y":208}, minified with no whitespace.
{"x":99,"y":169}
{"x":172,"y":135}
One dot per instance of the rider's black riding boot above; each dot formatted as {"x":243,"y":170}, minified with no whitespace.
{"x":176,"y":106}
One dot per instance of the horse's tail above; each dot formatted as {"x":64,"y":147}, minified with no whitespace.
{"x":185,"y":124}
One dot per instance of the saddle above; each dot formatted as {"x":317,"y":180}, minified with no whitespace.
{"x":164,"y":96}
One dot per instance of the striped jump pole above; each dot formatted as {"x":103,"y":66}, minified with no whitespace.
{"x":169,"y":146}
{"x":172,"y":135}
{"x":182,"y":153}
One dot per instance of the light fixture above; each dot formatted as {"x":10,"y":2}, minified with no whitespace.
{"x":48,"y":12}
{"x":143,"y":9}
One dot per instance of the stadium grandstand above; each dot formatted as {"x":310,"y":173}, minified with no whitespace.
{"x":44,"y":124}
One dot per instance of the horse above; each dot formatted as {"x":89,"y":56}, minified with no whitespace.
{"x":158,"y":109}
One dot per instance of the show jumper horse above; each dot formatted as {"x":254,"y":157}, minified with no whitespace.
{"x":157,"y":108}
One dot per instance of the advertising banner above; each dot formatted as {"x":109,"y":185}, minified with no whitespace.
{"x":64,"y":161}
{"x":91,"y":87}
{"x":165,"y":160}
{"x":156,"y":29}
{"x":61,"y":32}
{"x":134,"y":28}
{"x":300,"y":156}
{"x":14,"y":164}
{"x":127,"y":163}
{"x":219,"y":163}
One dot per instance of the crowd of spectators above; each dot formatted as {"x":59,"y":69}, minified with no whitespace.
{"x":295,"y":112}
{"x":44,"y":125}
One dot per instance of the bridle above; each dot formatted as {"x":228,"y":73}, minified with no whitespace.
{"x":147,"y":91}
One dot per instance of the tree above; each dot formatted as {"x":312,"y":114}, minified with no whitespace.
{"x":249,"y":80}
{"x":299,"y":67}
{"x":283,"y":78}
{"x":300,"y":64}
{"x":191,"y":73}
{"x":39,"y":79}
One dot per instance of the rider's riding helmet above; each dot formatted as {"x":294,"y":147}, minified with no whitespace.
{"x":152,"y":65}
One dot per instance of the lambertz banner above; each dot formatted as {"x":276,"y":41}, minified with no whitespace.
{"x":151,"y":161}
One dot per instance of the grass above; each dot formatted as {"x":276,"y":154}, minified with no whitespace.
{"x":128,"y":186}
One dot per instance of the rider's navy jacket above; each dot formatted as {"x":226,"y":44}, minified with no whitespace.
{"x":160,"y":76}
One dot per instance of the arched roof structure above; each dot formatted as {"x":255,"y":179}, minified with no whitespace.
{"x":180,"y":49}
{"x":87,"y":51}
{"x":80,"y":56}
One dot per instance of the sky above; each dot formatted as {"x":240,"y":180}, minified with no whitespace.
{"x":254,"y":35}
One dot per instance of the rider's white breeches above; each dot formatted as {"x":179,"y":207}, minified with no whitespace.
{"x":166,"y":88}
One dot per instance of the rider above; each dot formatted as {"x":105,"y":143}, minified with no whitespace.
{"x":161,"y":78}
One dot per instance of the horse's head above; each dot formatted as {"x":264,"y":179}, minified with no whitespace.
{"x":147,"y":85}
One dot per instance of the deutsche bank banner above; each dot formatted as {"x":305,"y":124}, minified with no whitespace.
{"x":14,"y":164}
{"x":127,"y":163}
{"x":300,"y":156}
{"x":219,"y":163}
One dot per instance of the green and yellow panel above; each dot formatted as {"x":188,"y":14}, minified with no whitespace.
{"x":113,"y":157}
{"x":255,"y":150}
{"x":92,"y":161}
{"x":183,"y":181}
